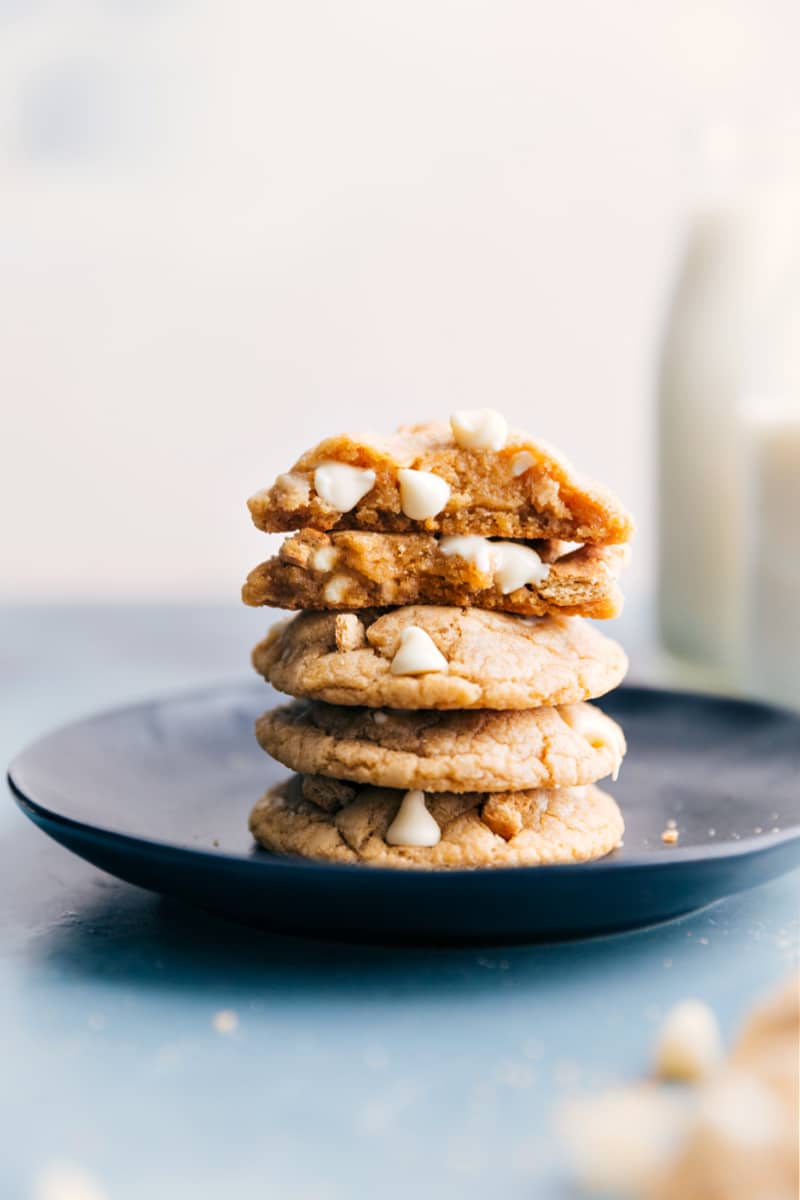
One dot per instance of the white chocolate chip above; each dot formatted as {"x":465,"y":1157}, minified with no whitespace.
{"x":341,"y":485}
{"x":599,"y":733}
{"x":472,"y":547}
{"x":324,"y":559}
{"x":417,"y":653}
{"x":479,"y":429}
{"x":335,"y":589}
{"x":521,"y":463}
{"x":511,"y":564}
{"x":379,"y":717}
{"x":413,"y":824}
{"x":422,"y":494}
{"x":515,"y":565}
{"x":689,"y":1045}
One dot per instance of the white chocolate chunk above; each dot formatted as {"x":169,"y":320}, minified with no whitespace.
{"x":422,"y":494}
{"x":479,"y":429}
{"x":324,"y":559}
{"x":588,"y":722}
{"x":379,"y":716}
{"x":512,"y":565}
{"x":521,"y":463}
{"x":417,"y":653}
{"x":516,"y":565}
{"x":472,"y":547}
{"x":335,"y":589}
{"x":689,"y":1045}
{"x":413,"y":825}
{"x":341,"y":485}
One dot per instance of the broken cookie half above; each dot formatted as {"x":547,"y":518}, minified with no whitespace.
{"x":352,"y":569}
{"x":462,"y":478}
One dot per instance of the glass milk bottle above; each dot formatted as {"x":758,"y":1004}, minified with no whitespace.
{"x":771,"y":451}
{"x":738,"y":292}
{"x":702,"y":371}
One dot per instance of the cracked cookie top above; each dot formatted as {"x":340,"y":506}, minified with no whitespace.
{"x":526,"y":828}
{"x":478,"y":750}
{"x":467,"y":658}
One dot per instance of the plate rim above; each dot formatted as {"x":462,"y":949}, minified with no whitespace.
{"x":679,"y":856}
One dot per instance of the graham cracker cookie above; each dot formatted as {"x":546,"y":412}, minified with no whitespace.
{"x":429,"y":478}
{"x":352,"y":569}
{"x":425,"y":656}
{"x":525,"y":828}
{"x":436,"y":751}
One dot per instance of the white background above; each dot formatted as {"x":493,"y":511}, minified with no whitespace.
{"x":229,"y":229}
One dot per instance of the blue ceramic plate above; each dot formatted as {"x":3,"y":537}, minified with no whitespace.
{"x":159,"y":794}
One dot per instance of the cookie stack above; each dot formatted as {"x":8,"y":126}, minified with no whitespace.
{"x":442,"y":663}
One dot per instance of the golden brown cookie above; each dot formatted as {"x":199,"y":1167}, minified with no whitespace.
{"x":742,"y":1141}
{"x":352,"y":569}
{"x":521,"y":490}
{"x":488,"y":659}
{"x":507,"y":829}
{"x":481,"y":750}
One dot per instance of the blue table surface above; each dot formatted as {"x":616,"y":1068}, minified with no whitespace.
{"x":352,"y":1071}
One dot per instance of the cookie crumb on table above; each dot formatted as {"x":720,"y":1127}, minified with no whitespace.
{"x":225,"y":1021}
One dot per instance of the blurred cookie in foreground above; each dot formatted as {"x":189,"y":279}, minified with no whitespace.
{"x":477,"y":750}
{"x":353,"y":569}
{"x":382,"y":827}
{"x":731,"y":1135}
{"x":426,"y":656}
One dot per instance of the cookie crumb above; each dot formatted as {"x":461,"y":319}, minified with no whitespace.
{"x":225,"y":1021}
{"x":670,"y":836}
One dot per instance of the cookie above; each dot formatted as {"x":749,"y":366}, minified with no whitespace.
{"x":432,"y":478}
{"x":526,"y":828}
{"x":741,"y":1141}
{"x":352,"y":569}
{"x":461,"y":658}
{"x":482,"y":750}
